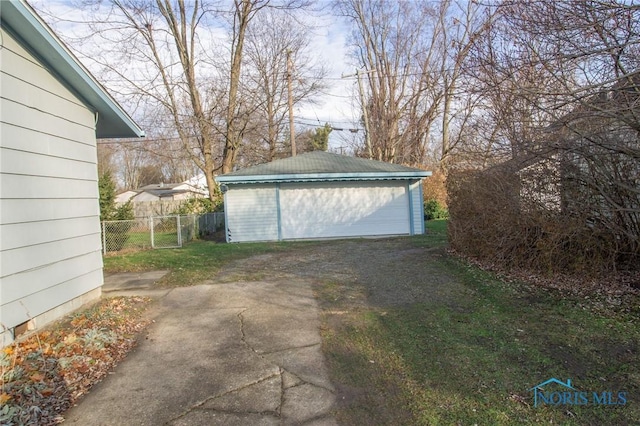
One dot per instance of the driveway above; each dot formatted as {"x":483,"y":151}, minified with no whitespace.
{"x":244,"y":348}
{"x":235,"y":353}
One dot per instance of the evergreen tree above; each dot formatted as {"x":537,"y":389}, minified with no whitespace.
{"x":320,"y":140}
{"x":107,"y":198}
{"x":107,"y":190}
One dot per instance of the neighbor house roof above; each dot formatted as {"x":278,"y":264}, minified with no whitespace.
{"x":125,"y":196}
{"x":322,"y":166}
{"x":163,"y":193}
{"x":160,"y":186}
{"x":23,"y":22}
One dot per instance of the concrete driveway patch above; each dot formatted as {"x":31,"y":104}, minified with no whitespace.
{"x":127,"y":281}
{"x":235,"y":353}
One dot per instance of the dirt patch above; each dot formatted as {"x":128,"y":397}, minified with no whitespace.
{"x":371,"y":272}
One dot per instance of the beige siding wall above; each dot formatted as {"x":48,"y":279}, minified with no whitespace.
{"x":49,"y":214}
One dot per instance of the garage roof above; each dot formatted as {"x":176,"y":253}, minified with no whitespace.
{"x":22,"y":21}
{"x":322,"y":166}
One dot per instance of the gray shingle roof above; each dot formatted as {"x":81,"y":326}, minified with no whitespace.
{"x":320,"y":165}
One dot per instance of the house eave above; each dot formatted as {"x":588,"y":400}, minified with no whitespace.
{"x":22,"y":21}
{"x":322,"y":177}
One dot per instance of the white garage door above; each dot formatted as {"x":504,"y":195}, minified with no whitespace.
{"x":339,"y":209}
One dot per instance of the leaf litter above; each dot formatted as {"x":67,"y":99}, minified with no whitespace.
{"x":45,"y":374}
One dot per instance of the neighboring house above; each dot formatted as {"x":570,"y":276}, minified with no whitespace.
{"x":52,"y":111}
{"x":163,"y":198}
{"x":322,"y":195}
{"x":125,"y":196}
{"x":587,"y":161}
{"x":167,"y":191}
{"x":198,"y":184}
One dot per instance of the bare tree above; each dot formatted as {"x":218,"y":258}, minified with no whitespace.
{"x":549,"y":58}
{"x":273,"y":36}
{"x":390,"y":43}
{"x":462,"y":24}
{"x":562,"y":79}
{"x":237,"y":117}
{"x":414,"y":55}
{"x":156,"y":54}
{"x":106,"y":159}
{"x":169,"y":57}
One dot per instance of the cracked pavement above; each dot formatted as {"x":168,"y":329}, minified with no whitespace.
{"x":235,"y":353}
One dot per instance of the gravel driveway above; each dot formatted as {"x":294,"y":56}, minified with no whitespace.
{"x":372,"y":272}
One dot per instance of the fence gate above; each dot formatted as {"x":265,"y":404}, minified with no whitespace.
{"x":165,"y":231}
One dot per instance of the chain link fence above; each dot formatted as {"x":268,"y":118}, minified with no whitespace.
{"x":210,"y":223}
{"x":157,"y":231}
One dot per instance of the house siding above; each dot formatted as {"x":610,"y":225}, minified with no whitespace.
{"x":49,"y":213}
{"x":251,"y":213}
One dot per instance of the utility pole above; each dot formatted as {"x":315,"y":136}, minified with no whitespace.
{"x":292,"y":130}
{"x":367,"y":135}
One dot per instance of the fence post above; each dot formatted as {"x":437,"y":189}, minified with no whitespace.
{"x":153,"y":245}
{"x":104,"y":238}
{"x":179,"y":231}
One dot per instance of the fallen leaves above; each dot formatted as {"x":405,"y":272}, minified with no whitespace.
{"x":37,"y":377}
{"x":617,"y":293}
{"x":45,"y":374}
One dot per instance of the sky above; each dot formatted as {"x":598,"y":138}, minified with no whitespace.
{"x":333,"y":106}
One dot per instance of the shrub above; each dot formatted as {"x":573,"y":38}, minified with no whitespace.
{"x":124,"y":212}
{"x":116,"y":234}
{"x":199,"y":206}
{"x":493,"y":220}
{"x":107,"y":191}
{"x":434,"y":210}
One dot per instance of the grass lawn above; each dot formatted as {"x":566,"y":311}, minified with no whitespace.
{"x":473,"y":361}
{"x":465,"y":350}
{"x":140,"y":240}
{"x":197,"y":261}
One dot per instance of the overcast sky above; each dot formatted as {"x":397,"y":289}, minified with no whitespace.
{"x":335,"y":105}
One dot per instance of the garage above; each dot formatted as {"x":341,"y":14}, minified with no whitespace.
{"x":320,"y":195}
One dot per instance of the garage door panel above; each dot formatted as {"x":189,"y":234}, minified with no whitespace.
{"x":341,"y":210}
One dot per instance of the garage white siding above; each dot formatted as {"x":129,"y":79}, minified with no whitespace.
{"x":344,"y":209}
{"x":321,"y":194}
{"x":417,"y":208}
{"x":251,"y":213}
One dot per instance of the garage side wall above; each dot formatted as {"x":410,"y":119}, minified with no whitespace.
{"x":417,"y":208}
{"x":251,"y":212}
{"x":49,"y":216}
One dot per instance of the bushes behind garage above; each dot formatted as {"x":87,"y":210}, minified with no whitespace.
{"x":516,"y":216}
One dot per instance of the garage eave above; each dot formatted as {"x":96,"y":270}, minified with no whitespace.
{"x":323,"y":177}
